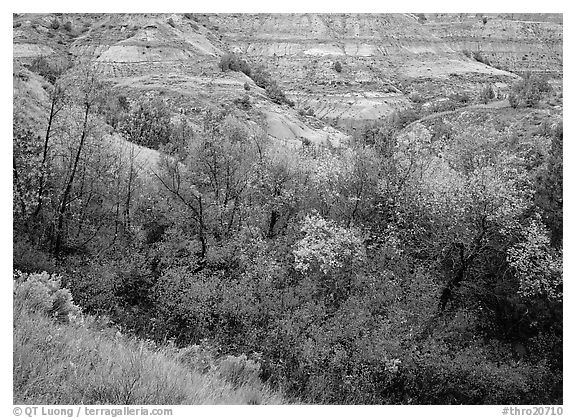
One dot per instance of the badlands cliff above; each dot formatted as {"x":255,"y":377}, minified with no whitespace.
{"x":384,"y":59}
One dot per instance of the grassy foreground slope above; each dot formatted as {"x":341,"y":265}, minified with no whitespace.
{"x":61,"y":357}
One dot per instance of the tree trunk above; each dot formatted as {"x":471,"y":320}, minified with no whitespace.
{"x":65,"y":196}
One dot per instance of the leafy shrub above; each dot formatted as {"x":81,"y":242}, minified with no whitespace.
{"x":537,"y":266}
{"x":478,"y":56}
{"x":338,"y":67}
{"x":147,"y":123}
{"x":486,"y":94}
{"x":460,"y":98}
{"x":402,"y":118}
{"x":48,"y":69}
{"x":513,"y":100}
{"x":234,"y":63}
{"x":277,"y":95}
{"x":199,"y":357}
{"x":416,"y":97}
{"x":529,"y":91}
{"x":306,"y":112}
{"x":326,"y":246}
{"x":41,"y":293}
{"x":470,"y":377}
{"x":263,"y":79}
{"x":29,"y":259}
{"x":441,"y":131}
{"x":243,"y":102}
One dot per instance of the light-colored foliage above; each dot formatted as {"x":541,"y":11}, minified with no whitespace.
{"x":327,"y":246}
{"x":537,"y":266}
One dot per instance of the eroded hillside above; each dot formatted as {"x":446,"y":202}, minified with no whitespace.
{"x":383,"y":60}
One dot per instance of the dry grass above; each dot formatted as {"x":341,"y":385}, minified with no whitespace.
{"x":74,"y":364}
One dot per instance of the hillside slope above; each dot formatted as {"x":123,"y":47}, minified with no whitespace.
{"x":82,"y":362}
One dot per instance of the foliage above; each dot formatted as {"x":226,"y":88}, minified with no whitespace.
{"x":326,"y":246}
{"x":69,"y":364}
{"x":486,"y":94}
{"x":234,"y":63}
{"x":460,"y":98}
{"x":419,"y":264}
{"x":147,"y":123}
{"x":51,"y":70}
{"x":548,"y":183}
{"x":528,"y":91}
{"x":277,"y":95}
{"x":479,"y":56}
{"x":41,"y":293}
{"x":537,"y":266}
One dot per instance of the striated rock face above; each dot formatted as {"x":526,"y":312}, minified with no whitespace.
{"x":382,"y":59}
{"x":515,"y":42}
{"x":170,"y":55}
{"x":379,"y":55}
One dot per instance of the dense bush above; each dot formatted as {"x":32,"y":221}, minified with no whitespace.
{"x":416,"y":265}
{"x":147,"y":122}
{"x":416,"y":97}
{"x":529,"y":91}
{"x":277,"y":95}
{"x":41,"y":293}
{"x":243,"y":102}
{"x":460,"y":98}
{"x":234,"y":63}
{"x":51,"y":70}
{"x":486,"y":94}
{"x":479,"y":56}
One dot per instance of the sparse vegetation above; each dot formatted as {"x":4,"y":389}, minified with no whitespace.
{"x":50,"y":69}
{"x":529,"y":91}
{"x":244,"y":102}
{"x":486,"y":94}
{"x":462,"y":98}
{"x":338,"y":67}
{"x":421,"y":17}
{"x":480,"y":57}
